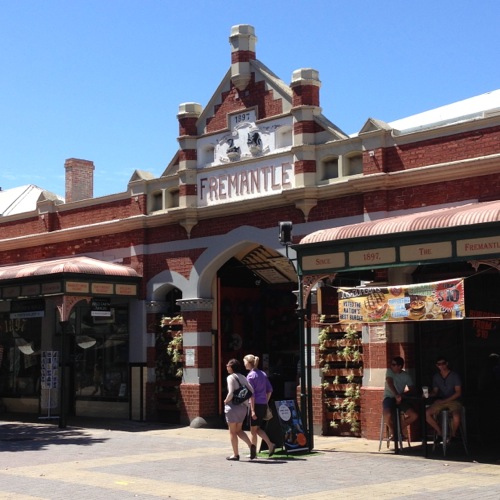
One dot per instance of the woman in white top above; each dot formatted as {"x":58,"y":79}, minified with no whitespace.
{"x":236,"y":414}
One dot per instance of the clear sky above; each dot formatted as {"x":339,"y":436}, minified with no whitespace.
{"x":102,"y":80}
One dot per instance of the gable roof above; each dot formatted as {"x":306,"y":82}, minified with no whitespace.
{"x":23,"y":199}
{"x":475,"y":107}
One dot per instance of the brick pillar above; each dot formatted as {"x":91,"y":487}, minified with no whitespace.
{"x":188,"y":115}
{"x":79,"y":179}
{"x":242,"y":42}
{"x":305,"y":86}
{"x":198,"y":390}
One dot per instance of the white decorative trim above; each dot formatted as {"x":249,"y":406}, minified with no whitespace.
{"x":195,"y":304}
{"x":155,"y":306}
{"x":495,"y":263}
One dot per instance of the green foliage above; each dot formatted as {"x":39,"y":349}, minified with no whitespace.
{"x":172,"y":345}
{"x":345,"y":405}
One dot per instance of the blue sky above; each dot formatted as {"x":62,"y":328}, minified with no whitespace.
{"x":102,"y":79}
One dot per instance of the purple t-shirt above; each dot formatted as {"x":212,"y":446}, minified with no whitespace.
{"x":261,"y":385}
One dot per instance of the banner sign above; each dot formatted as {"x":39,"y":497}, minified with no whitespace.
{"x":50,"y":367}
{"x":418,"y":302}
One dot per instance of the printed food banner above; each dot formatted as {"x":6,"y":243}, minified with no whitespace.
{"x":419,"y":302}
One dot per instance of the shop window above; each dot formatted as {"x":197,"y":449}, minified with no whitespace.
{"x":101,"y":352}
{"x":20,"y":341}
{"x":330,"y":169}
{"x":353,"y":164}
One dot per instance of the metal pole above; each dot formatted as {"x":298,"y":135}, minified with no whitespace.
{"x":62,"y":378}
{"x":309,"y":376}
{"x":302,"y":347}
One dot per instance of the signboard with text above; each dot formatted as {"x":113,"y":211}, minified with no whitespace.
{"x":440,"y":300}
{"x":294,"y":437}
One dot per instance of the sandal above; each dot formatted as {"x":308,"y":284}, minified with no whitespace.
{"x":233,"y":458}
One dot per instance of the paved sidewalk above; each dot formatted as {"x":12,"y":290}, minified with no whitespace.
{"x":135,"y":460}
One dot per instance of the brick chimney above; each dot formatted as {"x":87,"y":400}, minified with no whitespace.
{"x":79,"y":179}
{"x":242,"y":41}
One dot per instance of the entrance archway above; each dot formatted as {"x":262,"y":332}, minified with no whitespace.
{"x":257,"y":315}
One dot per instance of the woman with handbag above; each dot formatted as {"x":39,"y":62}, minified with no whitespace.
{"x":236,"y":412}
{"x":262,"y":390}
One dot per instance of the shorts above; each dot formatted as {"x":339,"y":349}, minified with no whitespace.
{"x":390,"y":404}
{"x":260,"y":412}
{"x":439,"y":405}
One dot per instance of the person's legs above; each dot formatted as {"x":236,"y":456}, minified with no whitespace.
{"x":455,"y":422}
{"x":256,"y":430}
{"x":243,"y":435}
{"x":407,"y":418}
{"x":388,"y":407}
{"x":233,"y":436}
{"x":263,"y":435}
{"x":431,"y":420}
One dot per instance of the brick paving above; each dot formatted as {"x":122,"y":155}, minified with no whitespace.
{"x":131,"y":460}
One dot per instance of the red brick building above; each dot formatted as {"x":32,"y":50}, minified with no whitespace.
{"x":85,"y":284}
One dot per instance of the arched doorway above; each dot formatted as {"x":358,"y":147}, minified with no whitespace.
{"x":257,"y":315}
{"x":167,"y":362}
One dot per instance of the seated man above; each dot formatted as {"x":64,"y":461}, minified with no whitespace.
{"x":447,"y":387}
{"x":397,"y":381}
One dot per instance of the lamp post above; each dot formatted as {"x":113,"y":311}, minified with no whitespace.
{"x":285,"y":238}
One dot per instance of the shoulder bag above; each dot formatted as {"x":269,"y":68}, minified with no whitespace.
{"x":241,"y":394}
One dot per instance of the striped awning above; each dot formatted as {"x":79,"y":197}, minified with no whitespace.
{"x":71,"y":265}
{"x":465,"y":215}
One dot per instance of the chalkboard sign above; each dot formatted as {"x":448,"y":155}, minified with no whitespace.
{"x":294,"y":436}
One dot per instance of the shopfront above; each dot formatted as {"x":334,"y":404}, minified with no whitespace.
{"x":421,"y":251}
{"x":65,"y":338}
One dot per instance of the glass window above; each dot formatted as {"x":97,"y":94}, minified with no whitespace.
{"x":20,"y":356}
{"x":101,"y":346}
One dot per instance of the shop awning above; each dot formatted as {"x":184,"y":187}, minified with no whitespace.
{"x":461,"y":233}
{"x":72,"y":265}
{"x":476,"y":213}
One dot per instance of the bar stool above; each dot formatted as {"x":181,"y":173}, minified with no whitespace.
{"x":384,"y":428}
{"x":445,"y":416}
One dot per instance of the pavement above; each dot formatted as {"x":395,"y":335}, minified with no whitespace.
{"x":96,"y":459}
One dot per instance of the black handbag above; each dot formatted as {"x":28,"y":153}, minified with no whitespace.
{"x":241,"y":394}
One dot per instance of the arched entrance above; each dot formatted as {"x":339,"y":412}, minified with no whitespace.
{"x":257,"y":315}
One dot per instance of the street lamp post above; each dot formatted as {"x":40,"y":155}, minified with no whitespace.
{"x":306,"y":410}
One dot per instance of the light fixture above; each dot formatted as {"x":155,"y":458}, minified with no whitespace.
{"x":85,"y":342}
{"x":285,"y":232}
{"x":24,"y":347}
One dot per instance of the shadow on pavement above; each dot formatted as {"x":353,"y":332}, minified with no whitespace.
{"x":22,"y":433}
{"x":454,"y":453}
{"x":31,"y":437}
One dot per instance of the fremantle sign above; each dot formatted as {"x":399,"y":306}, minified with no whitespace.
{"x":242,"y":183}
